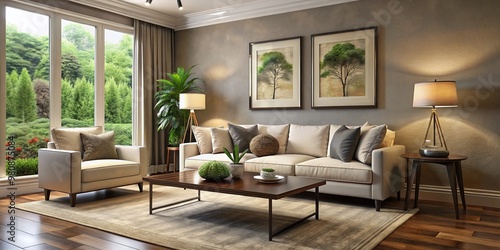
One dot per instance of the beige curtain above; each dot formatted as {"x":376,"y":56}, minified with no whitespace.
{"x":153,"y":59}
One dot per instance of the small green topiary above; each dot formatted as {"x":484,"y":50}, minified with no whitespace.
{"x":214,"y":171}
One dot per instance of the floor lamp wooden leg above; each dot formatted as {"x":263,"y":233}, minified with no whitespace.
{"x":191,"y":121}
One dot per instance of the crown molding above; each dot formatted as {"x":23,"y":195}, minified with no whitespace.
{"x":132,"y":11}
{"x":250,"y":10}
{"x":221,"y":15}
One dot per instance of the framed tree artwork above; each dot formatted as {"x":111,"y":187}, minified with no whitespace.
{"x":274,"y":70}
{"x":344,"y":69}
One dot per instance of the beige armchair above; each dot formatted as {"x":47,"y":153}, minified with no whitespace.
{"x":62,"y":165}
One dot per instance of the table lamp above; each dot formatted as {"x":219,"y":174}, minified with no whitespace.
{"x":191,"y":101}
{"x":437,"y":94}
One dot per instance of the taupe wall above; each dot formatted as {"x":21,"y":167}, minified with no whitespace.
{"x":418,"y":41}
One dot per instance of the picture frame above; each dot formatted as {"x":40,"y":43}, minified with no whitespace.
{"x":274,"y":86}
{"x":344,"y":69}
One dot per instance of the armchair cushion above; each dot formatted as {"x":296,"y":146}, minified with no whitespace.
{"x":69,"y":138}
{"x":108,"y":169}
{"x":98,"y":146}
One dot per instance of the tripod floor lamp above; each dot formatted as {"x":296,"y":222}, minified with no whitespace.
{"x":191,"y":101}
{"x":437,"y":94}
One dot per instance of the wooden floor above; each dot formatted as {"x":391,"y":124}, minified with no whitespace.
{"x":433,"y":227}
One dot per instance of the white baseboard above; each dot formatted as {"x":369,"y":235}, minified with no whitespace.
{"x":477,"y":197}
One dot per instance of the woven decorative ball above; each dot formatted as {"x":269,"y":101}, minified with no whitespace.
{"x":262,"y":145}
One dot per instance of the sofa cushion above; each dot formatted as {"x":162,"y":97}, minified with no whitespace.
{"x":371,"y":138}
{"x":220,"y":140}
{"x":308,"y":140}
{"x":194,"y":162}
{"x":283,"y":164}
{"x":242,"y":136}
{"x":262,"y":145}
{"x":69,"y":138}
{"x":280,"y":132}
{"x":331,"y":169}
{"x":203,"y":139}
{"x":107,"y":169}
{"x":98,"y":146}
{"x":344,"y":142}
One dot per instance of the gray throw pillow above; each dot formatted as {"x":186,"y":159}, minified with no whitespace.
{"x":99,"y":146}
{"x":242,"y":136}
{"x":344,"y":143}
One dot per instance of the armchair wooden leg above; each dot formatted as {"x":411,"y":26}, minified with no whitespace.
{"x":378,"y":204}
{"x":72,"y":199}
{"x":47,"y":194}
{"x":140,"y":184}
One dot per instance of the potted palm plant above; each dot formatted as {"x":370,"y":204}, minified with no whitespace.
{"x":167,"y":103}
{"x":237,"y":168}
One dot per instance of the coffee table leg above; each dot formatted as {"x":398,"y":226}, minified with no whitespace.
{"x":150,"y":198}
{"x":317,"y":203}
{"x":270,"y":219}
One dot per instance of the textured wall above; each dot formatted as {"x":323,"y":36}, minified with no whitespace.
{"x":418,"y":41}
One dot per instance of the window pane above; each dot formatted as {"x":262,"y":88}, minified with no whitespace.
{"x":77,"y":69}
{"x":27,"y":85}
{"x":118,"y":85}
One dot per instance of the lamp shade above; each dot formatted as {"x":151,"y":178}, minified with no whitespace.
{"x":193,"y":101}
{"x":435,"y":94}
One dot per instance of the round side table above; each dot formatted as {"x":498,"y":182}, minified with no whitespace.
{"x":175,"y":151}
{"x":453,"y":166}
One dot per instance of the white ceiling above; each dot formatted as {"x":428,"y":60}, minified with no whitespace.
{"x":197,"y":13}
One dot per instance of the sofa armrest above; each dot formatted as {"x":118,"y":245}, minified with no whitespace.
{"x":187,"y":150}
{"x":59,"y":170}
{"x":388,"y":171}
{"x":135,"y":154}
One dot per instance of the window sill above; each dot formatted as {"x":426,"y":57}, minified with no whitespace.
{"x":22,"y":185}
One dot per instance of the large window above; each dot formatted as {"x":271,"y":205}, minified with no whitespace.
{"x":118,"y":85}
{"x":62,"y":70}
{"x":27,"y":86}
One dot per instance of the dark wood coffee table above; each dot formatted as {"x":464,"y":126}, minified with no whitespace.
{"x":246,"y":186}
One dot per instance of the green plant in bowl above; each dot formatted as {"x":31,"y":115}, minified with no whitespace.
{"x":214,"y":171}
{"x":267,"y":173}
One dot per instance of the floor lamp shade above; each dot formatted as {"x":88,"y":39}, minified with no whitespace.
{"x":192,"y":101}
{"x":434,"y":95}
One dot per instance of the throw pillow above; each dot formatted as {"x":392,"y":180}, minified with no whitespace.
{"x":280,"y":132}
{"x":308,"y":140}
{"x":262,"y":145}
{"x":203,"y":139}
{"x":370,"y":140}
{"x":220,"y":140}
{"x":69,"y":138}
{"x":99,"y":146}
{"x":344,"y":143}
{"x":242,"y":136}
{"x":389,"y":138}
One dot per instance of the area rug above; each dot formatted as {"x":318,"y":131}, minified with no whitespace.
{"x":221,"y":221}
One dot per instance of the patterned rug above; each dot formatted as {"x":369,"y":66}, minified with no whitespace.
{"x":221,"y":221}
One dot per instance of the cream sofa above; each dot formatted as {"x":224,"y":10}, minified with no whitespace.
{"x":306,"y":151}
{"x":62,"y":165}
